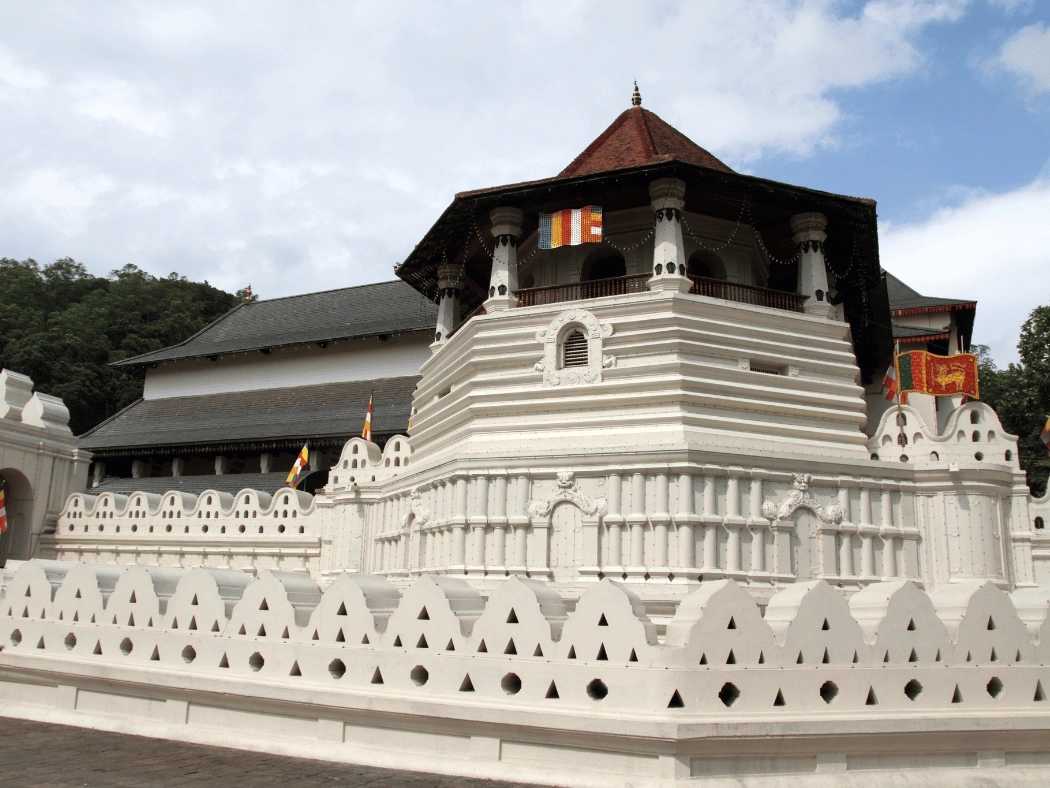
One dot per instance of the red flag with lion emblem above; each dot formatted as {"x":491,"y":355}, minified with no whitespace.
{"x":941,"y":376}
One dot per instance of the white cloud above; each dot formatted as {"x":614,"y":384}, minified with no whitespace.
{"x":311,"y":145}
{"x":994,"y":248}
{"x":1026,"y":55}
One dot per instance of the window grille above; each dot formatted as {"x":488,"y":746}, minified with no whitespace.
{"x":574,"y":351}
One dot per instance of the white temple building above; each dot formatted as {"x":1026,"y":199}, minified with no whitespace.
{"x":654,"y":521}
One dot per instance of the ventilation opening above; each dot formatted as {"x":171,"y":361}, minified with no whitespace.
{"x":188,"y":654}
{"x":511,"y":684}
{"x":913,"y":689}
{"x":256,"y":661}
{"x":871,"y":700}
{"x":956,"y":696}
{"x":70,"y":641}
{"x":225,"y":662}
{"x":552,"y":692}
{"x":828,"y":691}
{"x":295,"y":671}
{"x":1039,"y":694}
{"x":419,"y":675}
{"x":779,"y":699}
{"x":574,"y":351}
{"x":597,"y":690}
{"x":676,"y":701}
{"x":377,"y":677}
{"x":467,"y":685}
{"x":125,"y":646}
{"x":729,"y":693}
{"x":513,"y":617}
{"x":336,"y":668}
{"x":995,"y":687}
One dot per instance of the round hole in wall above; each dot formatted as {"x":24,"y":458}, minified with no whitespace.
{"x":729,"y":693}
{"x":151,"y":529}
{"x":828,"y":691}
{"x":995,"y":687}
{"x":204,"y":529}
{"x":16,"y":637}
{"x":189,"y":654}
{"x":913,"y":689}
{"x":168,"y":527}
{"x":70,"y":641}
{"x":875,"y":457}
{"x":978,"y":456}
{"x":260,"y":529}
{"x":186,"y":530}
{"x":71,"y":527}
{"x":904,"y":458}
{"x":240,"y":528}
{"x":597,"y":690}
{"x":419,"y":675}
{"x":280,"y":529}
{"x":511,"y":684}
{"x":256,"y":661}
{"x":222,"y":530}
{"x":125,"y":646}
{"x":101,"y":527}
{"x":302,"y":530}
{"x":1008,"y":456}
{"x":337,"y":668}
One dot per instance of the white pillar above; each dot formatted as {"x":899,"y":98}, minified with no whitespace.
{"x":889,"y":543}
{"x":459,"y":525}
{"x":686,"y":519}
{"x":669,"y":263}
{"x":757,"y":523}
{"x":637,"y":520}
{"x":265,"y":463}
{"x":812,"y":275}
{"x":178,"y":466}
{"x":733,"y":522}
{"x":614,"y":521}
{"x":478,"y":523}
{"x":98,"y":473}
{"x":222,"y":465}
{"x":498,"y":522}
{"x":661,"y":519}
{"x":845,"y":532}
{"x":450,"y":277}
{"x":867,"y":532}
{"x":519,"y":521}
{"x":138,"y":469}
{"x":711,"y":523}
{"x":506,"y":227}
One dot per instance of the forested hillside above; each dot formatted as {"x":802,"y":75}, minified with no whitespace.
{"x":63,"y":327}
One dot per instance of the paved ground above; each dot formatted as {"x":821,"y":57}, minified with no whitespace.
{"x":53,"y":756}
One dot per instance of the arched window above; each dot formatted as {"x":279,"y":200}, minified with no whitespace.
{"x":708,"y":264}
{"x":1039,"y":523}
{"x":607,"y":266}
{"x":574,"y":350}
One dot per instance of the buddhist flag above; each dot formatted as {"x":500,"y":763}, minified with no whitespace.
{"x":3,"y":513}
{"x":1044,"y":435}
{"x":939,"y":376}
{"x":571,"y":227}
{"x":889,"y":383}
{"x":411,"y":416}
{"x":298,"y":466}
{"x":366,"y":431}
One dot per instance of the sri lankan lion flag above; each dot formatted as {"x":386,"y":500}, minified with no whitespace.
{"x":1044,"y":435}
{"x":571,"y":227}
{"x":940,"y":376}
{"x":366,"y":431}
{"x":3,"y":513}
{"x":298,"y":466}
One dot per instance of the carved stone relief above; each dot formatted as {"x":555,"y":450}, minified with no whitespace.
{"x":416,"y":510}
{"x":568,"y":491}
{"x":799,"y":498}
{"x":552,"y":336}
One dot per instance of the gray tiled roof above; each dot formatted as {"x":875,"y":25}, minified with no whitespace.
{"x":912,"y":332}
{"x":331,"y":409}
{"x":368,"y":310}
{"x":231,"y":483}
{"x":903,"y":297}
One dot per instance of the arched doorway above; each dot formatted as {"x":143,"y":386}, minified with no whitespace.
{"x":604,"y":264}
{"x":707,"y":264}
{"x":18,"y":495}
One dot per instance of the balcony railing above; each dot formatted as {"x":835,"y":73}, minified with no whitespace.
{"x":635,"y":283}
{"x":580,"y":291}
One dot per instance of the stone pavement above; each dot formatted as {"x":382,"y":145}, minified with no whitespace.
{"x":42,"y":755}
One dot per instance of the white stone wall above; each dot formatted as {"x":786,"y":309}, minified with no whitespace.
{"x":516,"y":684}
{"x":301,"y":365}
{"x":39,"y":460}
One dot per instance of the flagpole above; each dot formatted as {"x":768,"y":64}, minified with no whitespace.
{"x":901,"y":439}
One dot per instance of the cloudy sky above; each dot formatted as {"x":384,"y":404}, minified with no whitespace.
{"x":302,"y":146}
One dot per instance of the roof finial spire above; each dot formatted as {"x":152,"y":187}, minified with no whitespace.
{"x":636,"y":97}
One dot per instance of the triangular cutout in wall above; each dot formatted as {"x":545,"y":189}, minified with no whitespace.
{"x":510,"y":649}
{"x":423,"y":615}
{"x":538,"y":652}
{"x":422,"y":642}
{"x":155,"y":656}
{"x":342,"y":609}
{"x":295,"y":670}
{"x":731,"y":659}
{"x":676,"y":701}
{"x":264,"y":606}
{"x":483,"y":649}
{"x":513,"y":617}
{"x":552,"y":691}
{"x":466,"y":685}
{"x":957,"y":696}
{"x":732,"y":623}
{"x":1039,"y":694}
{"x":871,"y":699}
{"x":602,"y":622}
{"x":340,"y":637}
{"x":224,"y":662}
{"x":377,"y":677}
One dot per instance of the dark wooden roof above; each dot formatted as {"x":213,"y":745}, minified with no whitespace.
{"x":195,"y":485}
{"x":904,"y":300}
{"x":350,"y":312}
{"x":255,"y":420}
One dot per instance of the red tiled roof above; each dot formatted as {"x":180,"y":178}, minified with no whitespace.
{"x":635,"y":138}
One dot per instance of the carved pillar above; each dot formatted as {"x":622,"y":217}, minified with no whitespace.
{"x":450,"y":277}
{"x":458,"y":522}
{"x":757,"y":524}
{"x":733,"y":523}
{"x":887,"y":532}
{"x":498,"y":523}
{"x":812,"y":275}
{"x":660,"y":519}
{"x":711,"y":521}
{"x":519,"y":521}
{"x":686,"y":520}
{"x":178,"y":466}
{"x":478,"y":522}
{"x":506,"y":228}
{"x":846,"y":528}
{"x":614,"y":521}
{"x":666,"y":195}
{"x":867,"y":532}
{"x":637,"y":520}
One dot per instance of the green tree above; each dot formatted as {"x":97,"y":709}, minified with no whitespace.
{"x":63,"y":327}
{"x":1020,"y":394}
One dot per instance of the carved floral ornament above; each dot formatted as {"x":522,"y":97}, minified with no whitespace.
{"x":799,"y":498}
{"x":553,"y":334}
{"x":568,"y":490}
